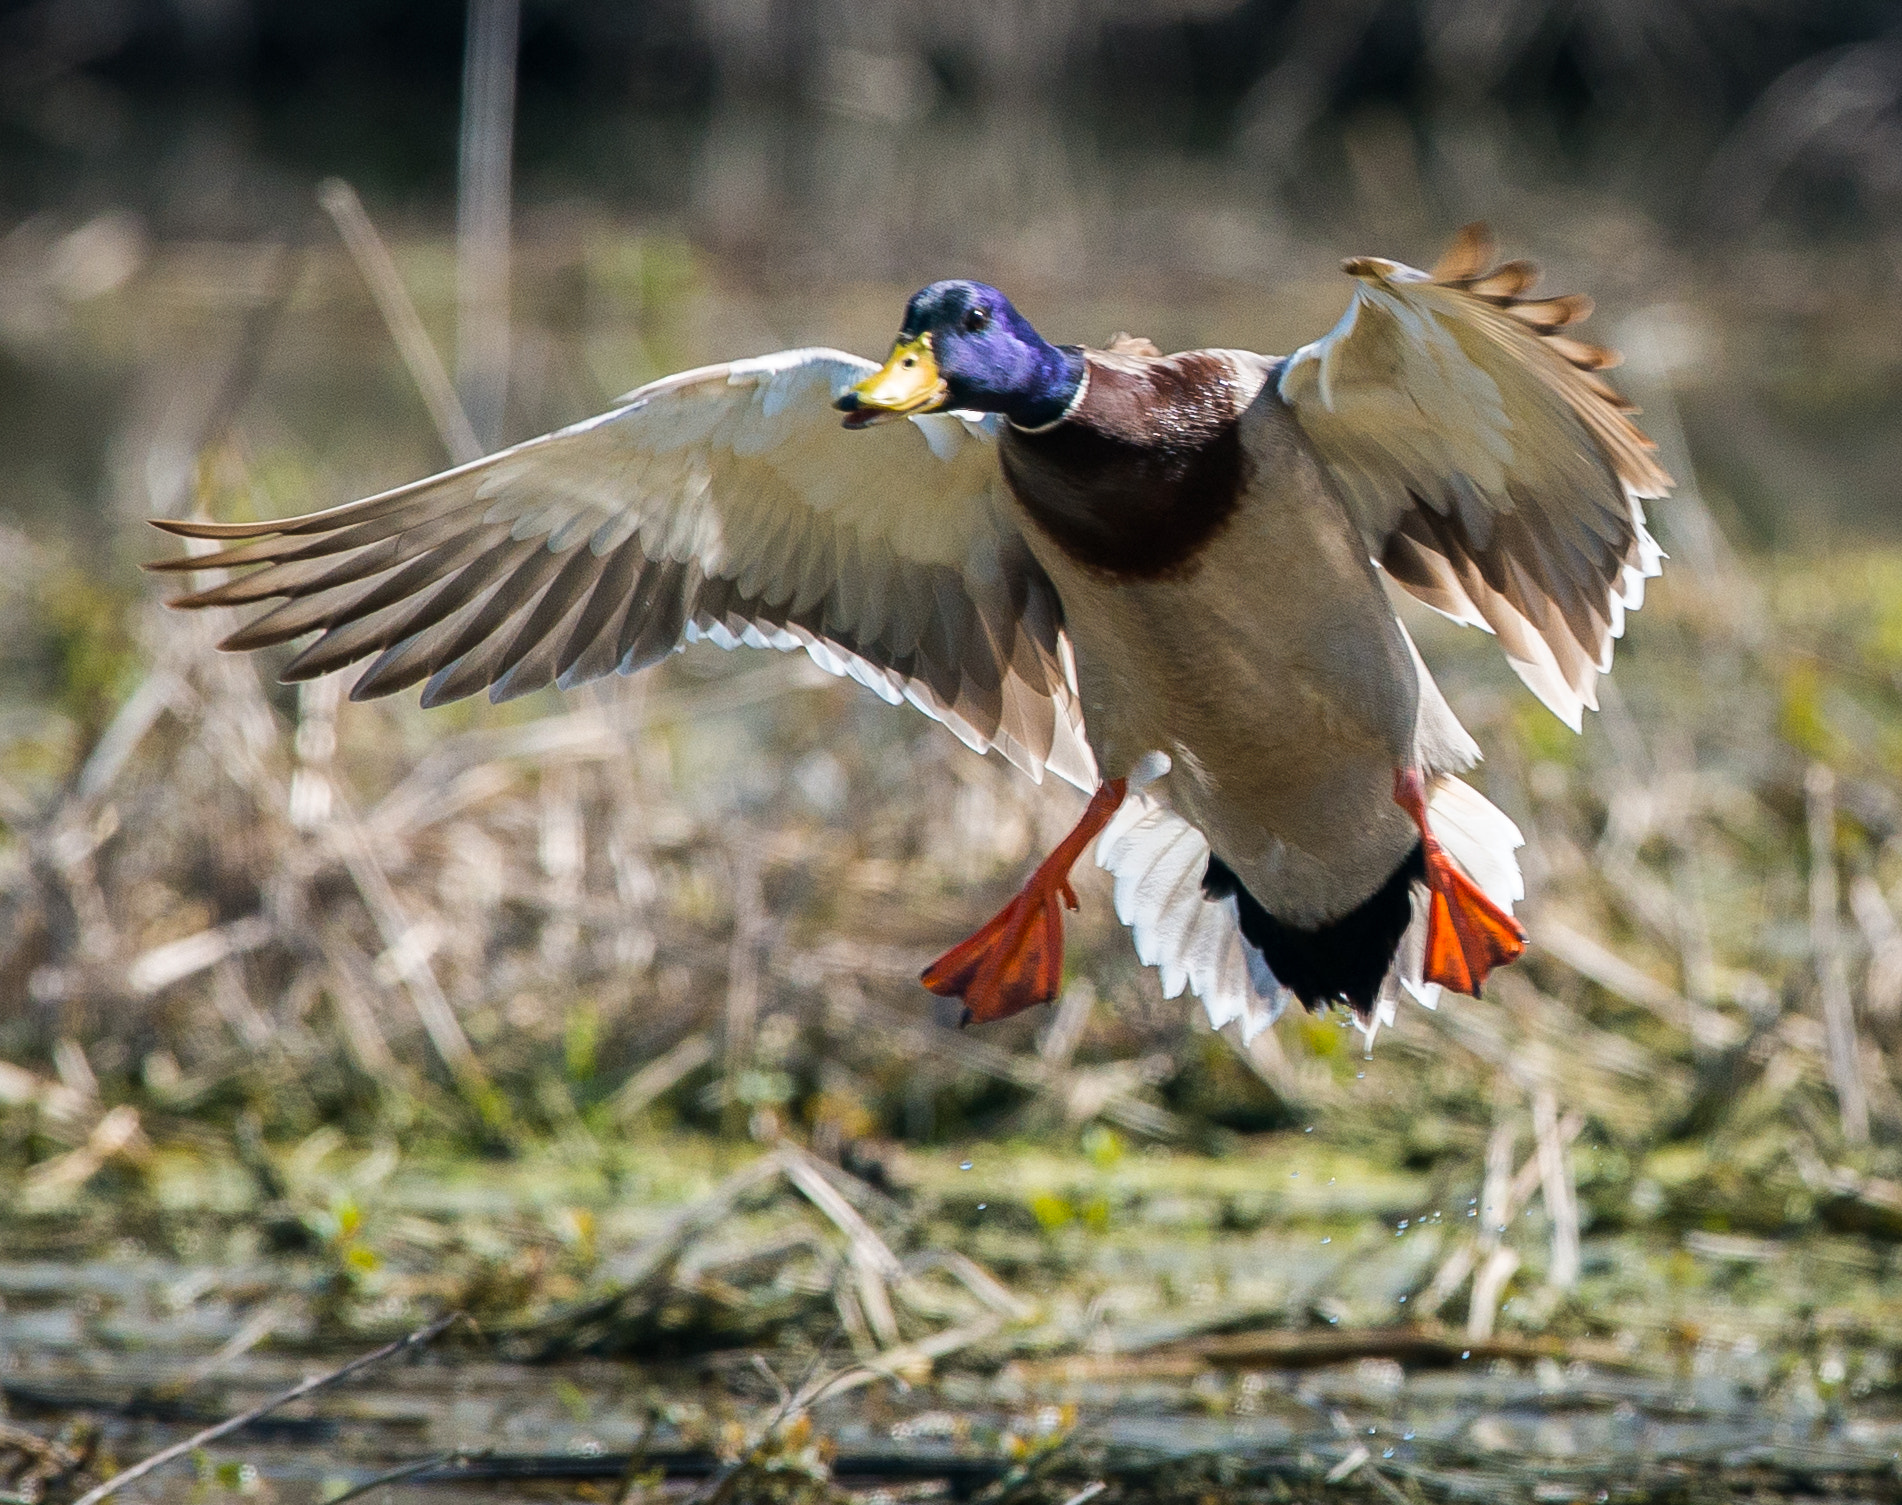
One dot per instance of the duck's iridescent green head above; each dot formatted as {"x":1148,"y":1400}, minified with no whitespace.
{"x":963,"y":345}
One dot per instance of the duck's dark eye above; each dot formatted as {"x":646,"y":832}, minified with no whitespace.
{"x":975,"y":319}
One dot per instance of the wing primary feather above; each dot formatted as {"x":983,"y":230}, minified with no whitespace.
{"x":413,"y":656}
{"x":275,"y":550}
{"x":512,"y":593}
{"x":486,"y":567}
{"x":413,"y":579}
{"x":345,"y":644}
{"x":368,"y":510}
{"x":1582,"y":355}
{"x":1508,"y":280}
{"x":565,"y":594}
{"x":656,"y":617}
{"x":1467,"y":256}
{"x":474,"y":670}
{"x":612,"y":588}
{"x":303,"y":572}
{"x":293,"y":619}
{"x":535,"y":669}
{"x":1544,"y":315}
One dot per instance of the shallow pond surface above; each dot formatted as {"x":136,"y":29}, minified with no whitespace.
{"x":1255,"y":1360}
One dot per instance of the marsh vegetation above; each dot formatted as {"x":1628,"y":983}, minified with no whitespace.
{"x":595,"y":1017}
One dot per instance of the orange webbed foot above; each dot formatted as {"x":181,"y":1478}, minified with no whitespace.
{"x":1467,"y":934}
{"x":1015,"y":960}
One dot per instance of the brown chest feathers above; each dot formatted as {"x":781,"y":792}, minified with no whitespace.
{"x":1144,"y":472}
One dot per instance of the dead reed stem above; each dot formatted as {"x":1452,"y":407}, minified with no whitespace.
{"x":378,"y":270}
{"x":419,"y":1338}
{"x":1555,"y":1181}
{"x":1832,"y":970}
{"x":483,"y":211}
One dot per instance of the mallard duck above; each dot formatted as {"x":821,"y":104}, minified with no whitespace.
{"x":1160,"y":577}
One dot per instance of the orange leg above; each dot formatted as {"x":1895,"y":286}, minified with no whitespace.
{"x":1016,"y":959}
{"x":1467,"y":934}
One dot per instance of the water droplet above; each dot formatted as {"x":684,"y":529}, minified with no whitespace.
{"x":1372,"y":1430}
{"x":982,"y":1205}
{"x":964,"y":1165}
{"x":1466,"y":1353}
{"x":1403,"y":1301}
{"x":1360,"y":1076}
{"x":1407,"y":1436}
{"x":1327,"y":1240}
{"x":1294,"y":1175}
{"x":1386,"y":1452}
{"x":1309,"y":1129}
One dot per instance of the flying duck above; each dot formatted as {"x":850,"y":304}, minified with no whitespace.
{"x":1161,"y":577}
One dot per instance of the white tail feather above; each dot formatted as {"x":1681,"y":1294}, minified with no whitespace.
{"x":1157,"y":859}
{"x":1480,"y":837}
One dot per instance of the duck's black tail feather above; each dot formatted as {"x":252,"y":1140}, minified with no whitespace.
{"x":1342,"y":961}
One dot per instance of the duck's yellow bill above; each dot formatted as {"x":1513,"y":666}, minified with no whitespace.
{"x":907,"y":383}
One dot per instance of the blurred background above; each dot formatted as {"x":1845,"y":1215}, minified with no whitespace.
{"x":595,"y":1016}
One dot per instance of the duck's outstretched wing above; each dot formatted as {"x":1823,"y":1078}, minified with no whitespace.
{"x":725,"y":503}
{"x":1493,"y":473}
